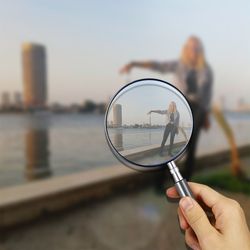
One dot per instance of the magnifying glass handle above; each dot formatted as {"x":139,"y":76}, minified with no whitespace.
{"x":180,"y":183}
{"x":183,"y":188}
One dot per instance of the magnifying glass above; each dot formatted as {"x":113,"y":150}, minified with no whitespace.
{"x":148,"y":125}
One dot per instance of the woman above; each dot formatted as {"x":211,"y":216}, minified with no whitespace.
{"x":194,"y":78}
{"x":171,"y":128}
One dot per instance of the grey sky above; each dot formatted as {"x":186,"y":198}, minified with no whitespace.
{"x":138,"y":101}
{"x":88,"y":41}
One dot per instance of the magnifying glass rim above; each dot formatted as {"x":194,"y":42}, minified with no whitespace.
{"x":120,"y":157}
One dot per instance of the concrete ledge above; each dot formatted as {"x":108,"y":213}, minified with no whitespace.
{"x":39,"y":189}
{"x":26,"y":202}
{"x":147,"y":150}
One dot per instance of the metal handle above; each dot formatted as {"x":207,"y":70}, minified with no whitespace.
{"x":180,"y":183}
{"x":183,"y":188}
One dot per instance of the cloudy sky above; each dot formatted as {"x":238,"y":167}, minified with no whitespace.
{"x":88,"y":41}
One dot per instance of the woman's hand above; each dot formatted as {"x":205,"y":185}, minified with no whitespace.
{"x":230,"y":230}
{"x":207,"y":123}
{"x":126,"y":69}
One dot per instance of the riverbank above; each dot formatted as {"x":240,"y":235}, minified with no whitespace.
{"x":48,"y":146}
{"x":27,"y":202}
{"x":138,"y":220}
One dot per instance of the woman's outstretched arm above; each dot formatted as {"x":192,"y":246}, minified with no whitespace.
{"x":163,"y":67}
{"x":161,"y":112}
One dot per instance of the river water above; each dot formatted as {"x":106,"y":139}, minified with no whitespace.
{"x":46,"y":145}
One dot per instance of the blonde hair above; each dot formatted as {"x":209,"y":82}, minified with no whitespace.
{"x":172,"y":104}
{"x":201,"y":62}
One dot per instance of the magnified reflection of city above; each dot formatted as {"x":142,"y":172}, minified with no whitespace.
{"x":140,"y":143}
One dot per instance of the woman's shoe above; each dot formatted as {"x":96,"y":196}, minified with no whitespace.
{"x":170,"y":154}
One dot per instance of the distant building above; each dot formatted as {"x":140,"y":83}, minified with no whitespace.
{"x":34,"y":75}
{"x":18,"y":102}
{"x":243,"y":106}
{"x":5,"y":100}
{"x":117,"y":115}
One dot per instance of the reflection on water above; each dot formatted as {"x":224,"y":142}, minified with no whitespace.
{"x":48,"y":144}
{"x":118,"y":140}
{"x":44,"y":144}
{"x":37,"y":147}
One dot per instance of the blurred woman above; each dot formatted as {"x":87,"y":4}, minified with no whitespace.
{"x":173,"y":118}
{"x":193,"y":76}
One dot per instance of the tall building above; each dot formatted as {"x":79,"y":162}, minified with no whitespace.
{"x":117,"y":115}
{"x":5,"y":100}
{"x":34,"y":75}
{"x":18,"y":100}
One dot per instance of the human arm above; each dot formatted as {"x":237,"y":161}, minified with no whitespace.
{"x":163,"y":67}
{"x":206,"y":95}
{"x":206,"y":89}
{"x":177,"y":119}
{"x":230,"y":230}
{"x":177,"y":122}
{"x":161,"y":112}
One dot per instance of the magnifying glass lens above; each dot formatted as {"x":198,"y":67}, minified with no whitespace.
{"x":148,"y":124}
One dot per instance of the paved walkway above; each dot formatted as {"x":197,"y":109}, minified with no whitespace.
{"x":140,"y":220}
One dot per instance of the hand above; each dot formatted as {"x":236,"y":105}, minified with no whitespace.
{"x":230,"y":230}
{"x":126,"y":69}
{"x":207,"y":123}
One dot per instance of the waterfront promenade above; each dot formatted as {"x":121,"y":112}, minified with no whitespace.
{"x":133,"y":221}
{"x":119,"y":209}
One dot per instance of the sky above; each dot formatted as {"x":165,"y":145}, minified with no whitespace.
{"x":88,"y":41}
{"x":137,"y":101}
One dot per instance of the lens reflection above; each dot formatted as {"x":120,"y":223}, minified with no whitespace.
{"x":149,"y":122}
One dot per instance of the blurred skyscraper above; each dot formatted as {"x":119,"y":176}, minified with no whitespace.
{"x":34,"y":75}
{"x":5,"y":100}
{"x":117,"y":115}
{"x":18,"y":100}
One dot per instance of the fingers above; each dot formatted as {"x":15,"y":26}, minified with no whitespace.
{"x":191,"y":239}
{"x":172,"y":192}
{"x":196,"y":218}
{"x":209,"y":196}
{"x":183,"y":222}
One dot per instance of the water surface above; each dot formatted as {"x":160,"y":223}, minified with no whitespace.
{"x":45,"y":145}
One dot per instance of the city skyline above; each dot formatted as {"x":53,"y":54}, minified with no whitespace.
{"x":86,"y":48}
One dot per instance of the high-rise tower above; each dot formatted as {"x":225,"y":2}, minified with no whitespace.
{"x":117,"y":115}
{"x":34,"y":75}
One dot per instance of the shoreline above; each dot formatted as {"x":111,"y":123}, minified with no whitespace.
{"x":26,"y":202}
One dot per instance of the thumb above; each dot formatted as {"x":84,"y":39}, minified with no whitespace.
{"x":196,"y":217}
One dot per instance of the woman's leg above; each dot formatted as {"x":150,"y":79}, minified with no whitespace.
{"x":165,"y":136}
{"x":189,"y":165}
{"x":172,"y":135}
{"x":190,"y":160}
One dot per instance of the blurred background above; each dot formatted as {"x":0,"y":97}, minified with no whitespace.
{"x":60,"y":186}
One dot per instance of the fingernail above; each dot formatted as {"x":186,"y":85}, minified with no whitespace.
{"x":186,"y":203}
